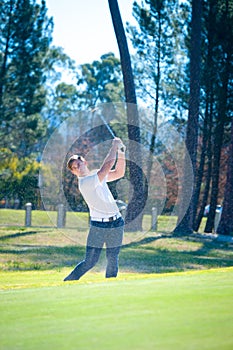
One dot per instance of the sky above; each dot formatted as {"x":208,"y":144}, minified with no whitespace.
{"x":84,"y":27}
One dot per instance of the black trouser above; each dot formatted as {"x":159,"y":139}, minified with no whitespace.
{"x":110,"y":233}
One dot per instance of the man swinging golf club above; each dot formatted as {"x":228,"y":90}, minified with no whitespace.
{"x":106,"y":224}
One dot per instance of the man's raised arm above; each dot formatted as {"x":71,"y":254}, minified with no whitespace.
{"x":110,"y":160}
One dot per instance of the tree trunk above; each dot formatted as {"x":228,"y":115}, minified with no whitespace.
{"x":200,"y":171}
{"x":209,"y":170}
{"x":158,"y":75}
{"x":226,"y":223}
{"x":185,"y":220}
{"x":134,"y":213}
{"x":225,"y":69}
{"x":215,"y":175}
{"x":4,"y":63}
{"x":208,"y":121}
{"x":219,"y":131}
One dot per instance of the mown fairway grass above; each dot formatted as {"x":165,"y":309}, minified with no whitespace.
{"x":191,"y":310}
{"x":151,"y":305}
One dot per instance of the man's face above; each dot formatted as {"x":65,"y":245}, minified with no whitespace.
{"x":78,"y":166}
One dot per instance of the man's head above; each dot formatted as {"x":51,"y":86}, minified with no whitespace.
{"x":77,"y":165}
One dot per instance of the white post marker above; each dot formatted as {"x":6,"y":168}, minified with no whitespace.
{"x":217,"y":218}
{"x":28,"y":214}
{"x":154,"y":219}
{"x":60,"y":216}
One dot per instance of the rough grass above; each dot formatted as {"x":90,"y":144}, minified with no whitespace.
{"x":10,"y":217}
{"x":46,"y":249}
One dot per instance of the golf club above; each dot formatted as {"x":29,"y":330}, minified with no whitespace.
{"x":122,"y":147}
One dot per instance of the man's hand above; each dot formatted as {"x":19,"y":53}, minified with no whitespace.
{"x":118,"y":145}
{"x":119,"y":170}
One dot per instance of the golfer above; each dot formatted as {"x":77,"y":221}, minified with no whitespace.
{"x":106,"y":223}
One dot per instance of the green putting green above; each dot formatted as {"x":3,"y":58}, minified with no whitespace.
{"x":188,"y":310}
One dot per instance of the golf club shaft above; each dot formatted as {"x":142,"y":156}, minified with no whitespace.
{"x":122,"y":147}
{"x":107,"y":126}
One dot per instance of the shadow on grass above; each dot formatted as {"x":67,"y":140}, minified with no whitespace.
{"x":17,"y":235}
{"x":144,"y":256}
{"x":25,"y":257}
{"x":152,"y":259}
{"x":144,"y":241}
{"x":163,"y":260}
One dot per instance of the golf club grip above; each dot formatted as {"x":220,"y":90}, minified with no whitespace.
{"x":122,"y":148}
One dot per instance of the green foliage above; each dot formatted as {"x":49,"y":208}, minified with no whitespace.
{"x":161,"y":56}
{"x":25,"y":39}
{"x":61,"y":99}
{"x":217,"y":56}
{"x":62,"y":103}
{"x":18,"y":178}
{"x":100,"y":81}
{"x":34,"y":99}
{"x":216,"y":85}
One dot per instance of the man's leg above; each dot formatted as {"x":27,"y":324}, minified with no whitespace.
{"x":112,"y":261}
{"x":92,"y":256}
{"x":114,"y":237}
{"x":95,"y":243}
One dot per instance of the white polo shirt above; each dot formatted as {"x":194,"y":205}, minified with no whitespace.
{"x":97,"y":196}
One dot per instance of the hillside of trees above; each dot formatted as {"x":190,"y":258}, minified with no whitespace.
{"x":182,"y":71}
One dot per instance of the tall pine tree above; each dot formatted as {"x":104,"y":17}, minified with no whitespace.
{"x":24,"y":42}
